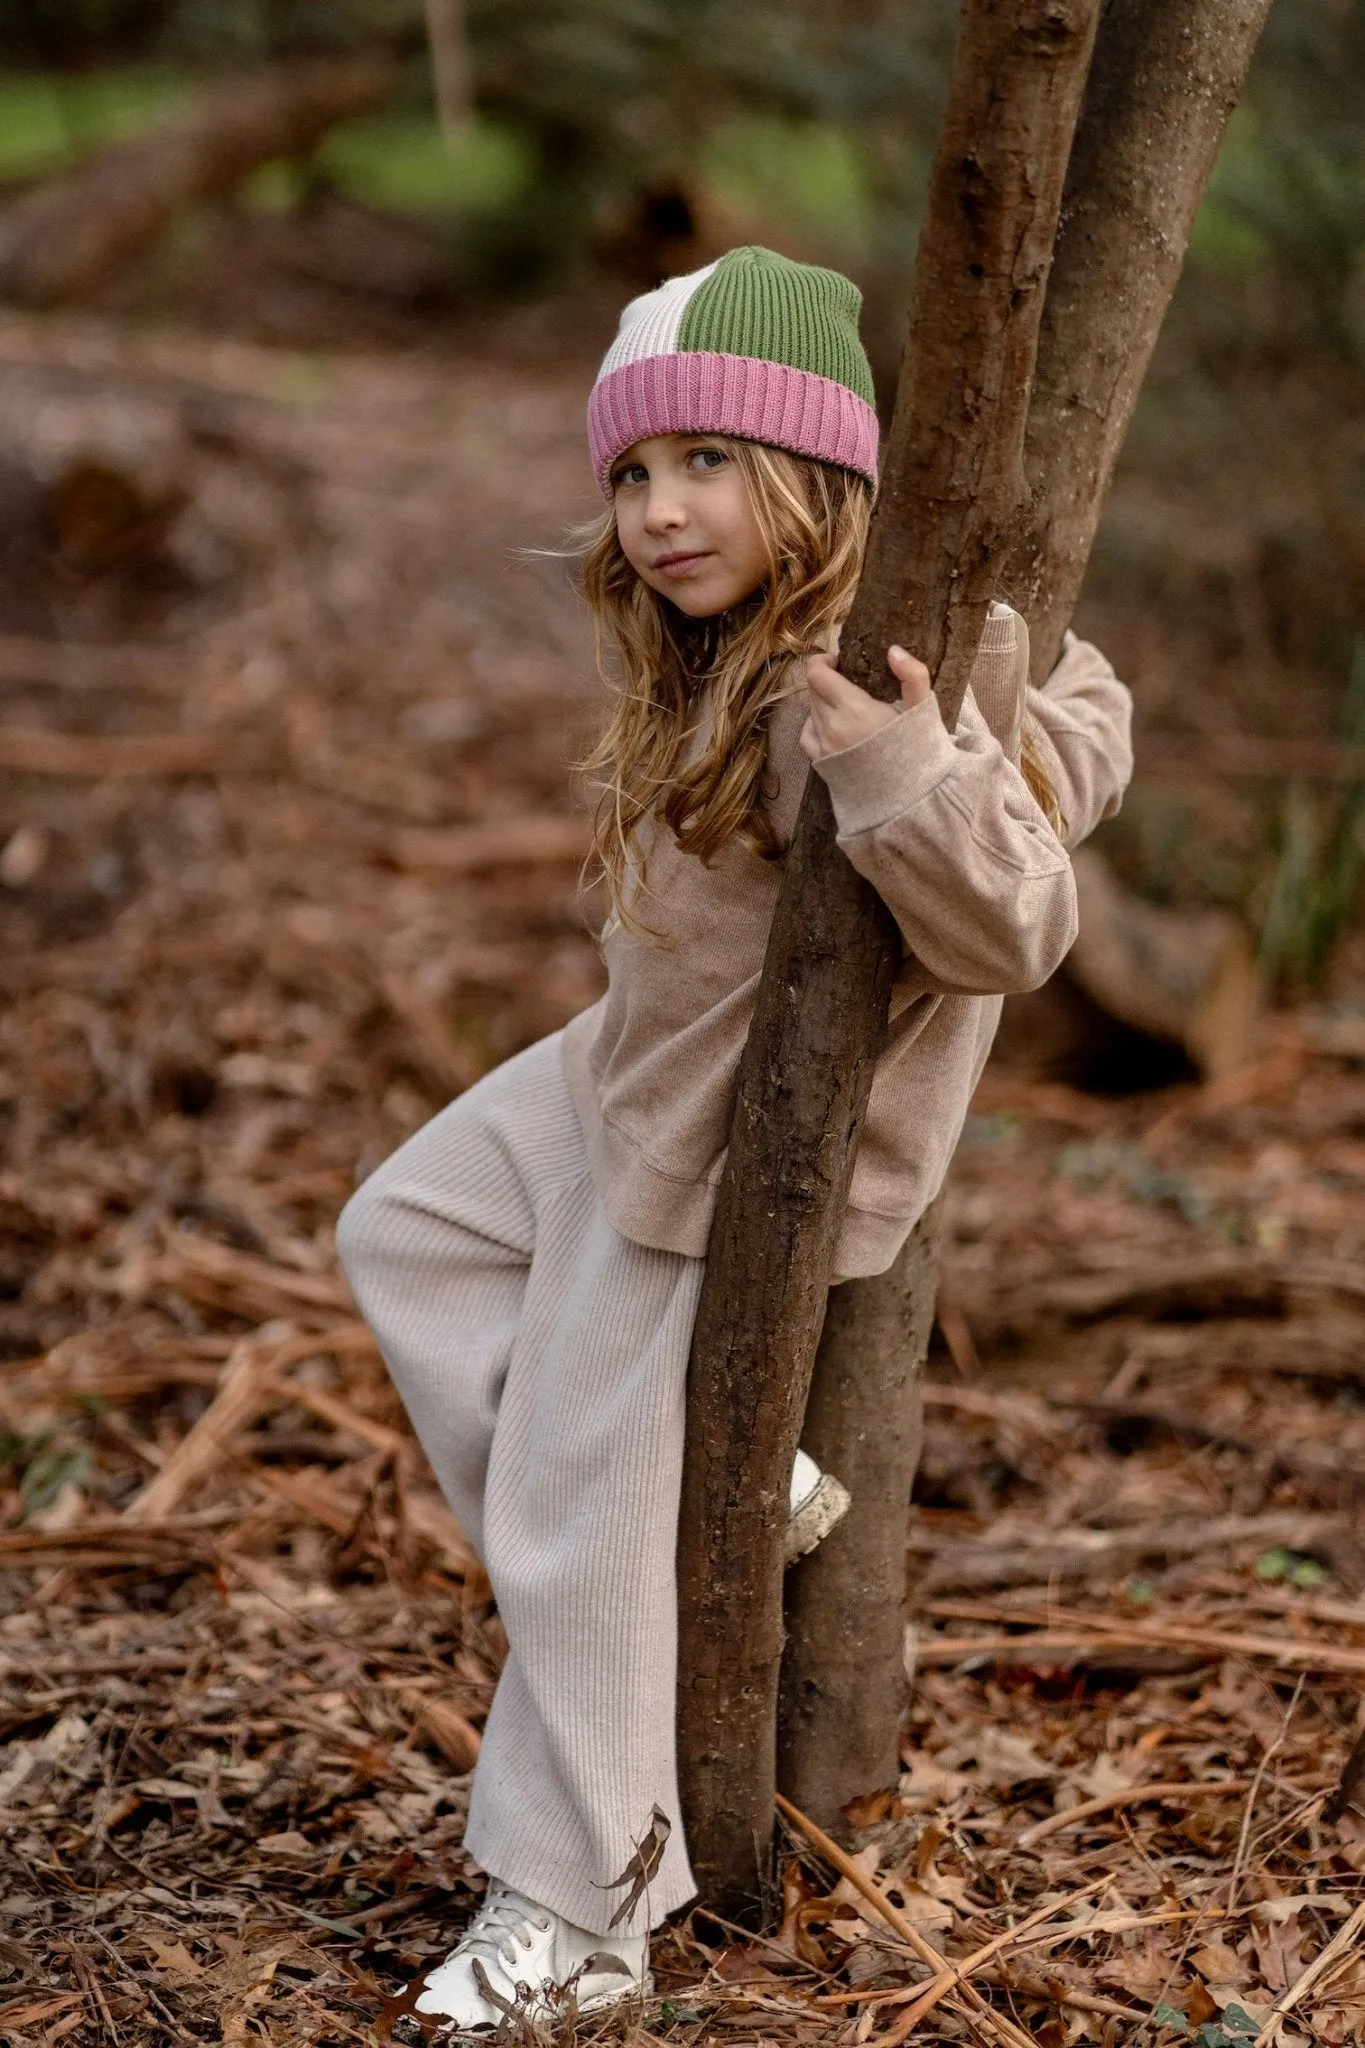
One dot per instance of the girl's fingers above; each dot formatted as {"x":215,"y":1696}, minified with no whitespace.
{"x":825,"y":681}
{"x":913,"y":677}
{"x":841,"y":712}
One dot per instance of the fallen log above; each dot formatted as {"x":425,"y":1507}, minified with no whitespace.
{"x":994,"y":1561}
{"x":1185,"y":975}
{"x":71,"y":232}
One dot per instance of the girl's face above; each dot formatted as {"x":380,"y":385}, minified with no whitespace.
{"x":686,"y":524}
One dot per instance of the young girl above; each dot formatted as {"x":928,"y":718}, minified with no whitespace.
{"x":531,"y":1260}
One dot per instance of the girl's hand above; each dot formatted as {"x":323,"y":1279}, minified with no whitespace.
{"x":842,"y":713}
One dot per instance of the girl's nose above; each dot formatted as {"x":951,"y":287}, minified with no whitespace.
{"x":664,"y":513}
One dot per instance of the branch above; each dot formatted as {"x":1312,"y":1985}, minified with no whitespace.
{"x":70,"y":232}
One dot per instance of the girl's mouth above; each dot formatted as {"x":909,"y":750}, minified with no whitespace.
{"x":678,"y":565}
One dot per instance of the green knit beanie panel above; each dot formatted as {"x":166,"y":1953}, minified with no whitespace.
{"x":759,"y":304}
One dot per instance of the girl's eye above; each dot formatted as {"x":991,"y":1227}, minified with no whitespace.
{"x":708,"y":458}
{"x":630,"y":473}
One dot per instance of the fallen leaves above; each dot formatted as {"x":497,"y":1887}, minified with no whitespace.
{"x":246,"y":1653}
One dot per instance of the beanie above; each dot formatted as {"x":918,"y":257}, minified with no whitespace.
{"x":752,"y":345}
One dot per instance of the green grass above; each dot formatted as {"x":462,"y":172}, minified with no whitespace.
{"x":46,"y":120}
{"x":394,"y":159}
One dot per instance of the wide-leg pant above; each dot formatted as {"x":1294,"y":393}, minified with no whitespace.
{"x":542,"y":1358}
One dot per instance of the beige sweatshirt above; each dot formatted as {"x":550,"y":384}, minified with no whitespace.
{"x":944,"y":827}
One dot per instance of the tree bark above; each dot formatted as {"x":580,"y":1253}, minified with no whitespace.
{"x":951,"y":487}
{"x":1165,"y":77}
{"x":68,"y":234}
{"x":843,"y":1669}
{"x":1163,"y":80}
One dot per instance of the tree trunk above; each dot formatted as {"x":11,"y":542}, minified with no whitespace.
{"x":951,"y":488}
{"x":843,"y":1671}
{"x":70,"y":233}
{"x":448,"y":39}
{"x":1164,"y":77}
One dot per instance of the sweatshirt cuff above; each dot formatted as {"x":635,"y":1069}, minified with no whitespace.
{"x":884,"y":775}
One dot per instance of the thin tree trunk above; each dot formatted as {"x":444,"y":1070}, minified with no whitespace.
{"x":69,"y":233}
{"x":1163,"y":80}
{"x":843,"y":1672}
{"x":1165,"y":77}
{"x":448,"y":40}
{"x":951,"y":488}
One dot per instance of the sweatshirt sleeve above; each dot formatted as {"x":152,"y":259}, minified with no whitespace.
{"x":946,"y":830}
{"x":1081,"y":720}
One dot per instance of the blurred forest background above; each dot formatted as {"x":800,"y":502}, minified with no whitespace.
{"x":293,"y":364}
{"x":591,"y":146}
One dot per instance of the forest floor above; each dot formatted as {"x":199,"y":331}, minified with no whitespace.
{"x":288,"y":855}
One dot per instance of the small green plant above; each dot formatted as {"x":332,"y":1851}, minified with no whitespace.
{"x":45,"y":1466}
{"x":1232,"y":2029}
{"x":1317,"y":878}
{"x":1292,"y":1567}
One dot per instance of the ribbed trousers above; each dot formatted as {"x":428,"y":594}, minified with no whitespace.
{"x":542,"y":1358}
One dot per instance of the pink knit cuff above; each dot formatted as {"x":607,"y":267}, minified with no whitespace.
{"x":686,"y":393}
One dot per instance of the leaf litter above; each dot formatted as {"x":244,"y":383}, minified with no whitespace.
{"x":245,"y":1652}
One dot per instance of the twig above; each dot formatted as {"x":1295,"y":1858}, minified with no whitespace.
{"x":247,"y":1385}
{"x":1351,"y":1784}
{"x":90,"y":1985}
{"x":1135,"y":1795}
{"x":1079,"y":1632}
{"x":1262,"y":1767}
{"x":909,"y":1934}
{"x":926,"y":1997}
{"x":1078,"y":2001}
{"x":1338,"y":1946}
{"x":846,"y":1867}
{"x":957,"y":1335}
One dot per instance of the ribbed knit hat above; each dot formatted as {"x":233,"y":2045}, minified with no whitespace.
{"x":753,"y":345}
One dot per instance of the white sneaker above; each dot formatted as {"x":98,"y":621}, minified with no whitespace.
{"x":515,"y":1953}
{"x":818,"y":1504}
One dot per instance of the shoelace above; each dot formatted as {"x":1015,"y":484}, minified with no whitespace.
{"x":504,"y":1920}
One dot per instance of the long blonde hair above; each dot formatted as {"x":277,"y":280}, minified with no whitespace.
{"x":678,"y":681}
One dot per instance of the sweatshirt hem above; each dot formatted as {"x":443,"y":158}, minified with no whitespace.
{"x":666,"y":1215}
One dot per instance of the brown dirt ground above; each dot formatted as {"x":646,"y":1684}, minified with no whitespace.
{"x":286,"y":858}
